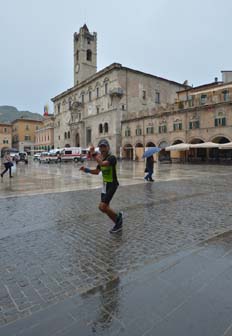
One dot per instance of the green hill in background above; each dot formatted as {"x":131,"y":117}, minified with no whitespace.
{"x":10,"y":113}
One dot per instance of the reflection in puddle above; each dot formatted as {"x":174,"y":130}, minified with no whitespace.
{"x":47,"y":178}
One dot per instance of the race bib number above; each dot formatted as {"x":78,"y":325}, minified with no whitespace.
{"x":104,"y":188}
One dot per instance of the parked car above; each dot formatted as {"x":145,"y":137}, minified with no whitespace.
{"x":22,"y":156}
{"x":14,"y":156}
{"x":53,"y":156}
{"x":36,"y":156}
{"x":44,"y":157}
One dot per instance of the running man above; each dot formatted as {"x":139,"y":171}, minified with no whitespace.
{"x":107,"y":165}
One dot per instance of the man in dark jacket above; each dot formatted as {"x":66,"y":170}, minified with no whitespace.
{"x":149,"y":168}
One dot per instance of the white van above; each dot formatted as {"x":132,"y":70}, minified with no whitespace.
{"x":76,"y":154}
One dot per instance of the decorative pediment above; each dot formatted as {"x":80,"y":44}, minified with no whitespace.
{"x":163,"y":122}
{"x":76,"y":106}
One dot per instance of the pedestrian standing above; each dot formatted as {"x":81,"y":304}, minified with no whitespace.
{"x":106,"y":163}
{"x":149,"y":168}
{"x":7,"y":161}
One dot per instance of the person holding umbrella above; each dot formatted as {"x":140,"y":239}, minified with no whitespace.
{"x":149,"y":168}
{"x":7,"y":161}
{"x":148,"y":154}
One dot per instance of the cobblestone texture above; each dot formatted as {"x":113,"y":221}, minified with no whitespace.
{"x":56,"y":245}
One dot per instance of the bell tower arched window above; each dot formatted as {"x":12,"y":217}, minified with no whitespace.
{"x":89,"y":55}
{"x":106,"y":127}
{"x":100,"y":128}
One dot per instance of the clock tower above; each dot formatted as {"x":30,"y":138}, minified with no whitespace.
{"x":85,"y":54}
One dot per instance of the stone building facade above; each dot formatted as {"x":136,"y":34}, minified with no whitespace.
{"x":200,"y":114}
{"x":44,"y":136}
{"x":98,"y":102}
{"x":23,"y":134}
{"x":5,"y":136}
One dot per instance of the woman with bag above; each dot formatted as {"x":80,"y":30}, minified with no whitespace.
{"x":7,"y":161}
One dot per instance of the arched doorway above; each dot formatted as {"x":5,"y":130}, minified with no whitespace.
{"x":197,"y":154}
{"x":128,"y":152}
{"x":3,"y":150}
{"x":77,"y":140}
{"x":164,"y":156}
{"x":138,"y":151}
{"x":220,"y":155}
{"x":179,"y":155}
{"x":150,"y":144}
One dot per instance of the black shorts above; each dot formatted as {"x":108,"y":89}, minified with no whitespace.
{"x":110,"y":190}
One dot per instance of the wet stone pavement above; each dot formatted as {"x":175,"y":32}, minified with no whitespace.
{"x":62,"y":273}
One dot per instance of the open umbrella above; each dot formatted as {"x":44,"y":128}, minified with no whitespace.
{"x":178,"y":147}
{"x":205,"y":145}
{"x":227,"y":145}
{"x":150,"y":151}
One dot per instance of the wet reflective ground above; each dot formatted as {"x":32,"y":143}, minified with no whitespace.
{"x":38,"y":178}
{"x":62,"y":273}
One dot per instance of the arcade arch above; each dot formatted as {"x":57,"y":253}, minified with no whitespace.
{"x":128,"y":152}
{"x":139,"y":149}
{"x":163,"y":154}
{"x":216,"y":154}
{"x":77,"y":140}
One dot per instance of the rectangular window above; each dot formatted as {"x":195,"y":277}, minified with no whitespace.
{"x":190,"y":101}
{"x":90,"y":95}
{"x":27,"y":128}
{"x":106,"y":88}
{"x":138,"y":131}
{"x":88,"y":135}
{"x":163,"y":129}
{"x":127,"y":132}
{"x":27,"y":138}
{"x":97,"y":110}
{"x":82,"y":98}
{"x":203,"y":99}
{"x":58,"y":108}
{"x":220,"y":122}
{"x":194,"y":124}
{"x":97,"y":92}
{"x":177,"y":126}
{"x":226,"y":95}
{"x":144,"y":94}
{"x":157,"y":98}
{"x":150,"y":130}
{"x":5,"y":130}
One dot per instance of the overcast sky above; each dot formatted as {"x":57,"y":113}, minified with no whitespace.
{"x":174,"y":39}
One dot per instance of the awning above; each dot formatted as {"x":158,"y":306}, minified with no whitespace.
{"x":178,"y":147}
{"x":227,"y":145}
{"x":205,"y":145}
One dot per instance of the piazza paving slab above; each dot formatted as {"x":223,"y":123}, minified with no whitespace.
{"x":167,"y":273}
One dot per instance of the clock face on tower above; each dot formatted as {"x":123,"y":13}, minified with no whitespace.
{"x":77,"y":67}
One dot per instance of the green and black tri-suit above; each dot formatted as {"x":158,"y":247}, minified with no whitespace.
{"x":110,"y":181}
